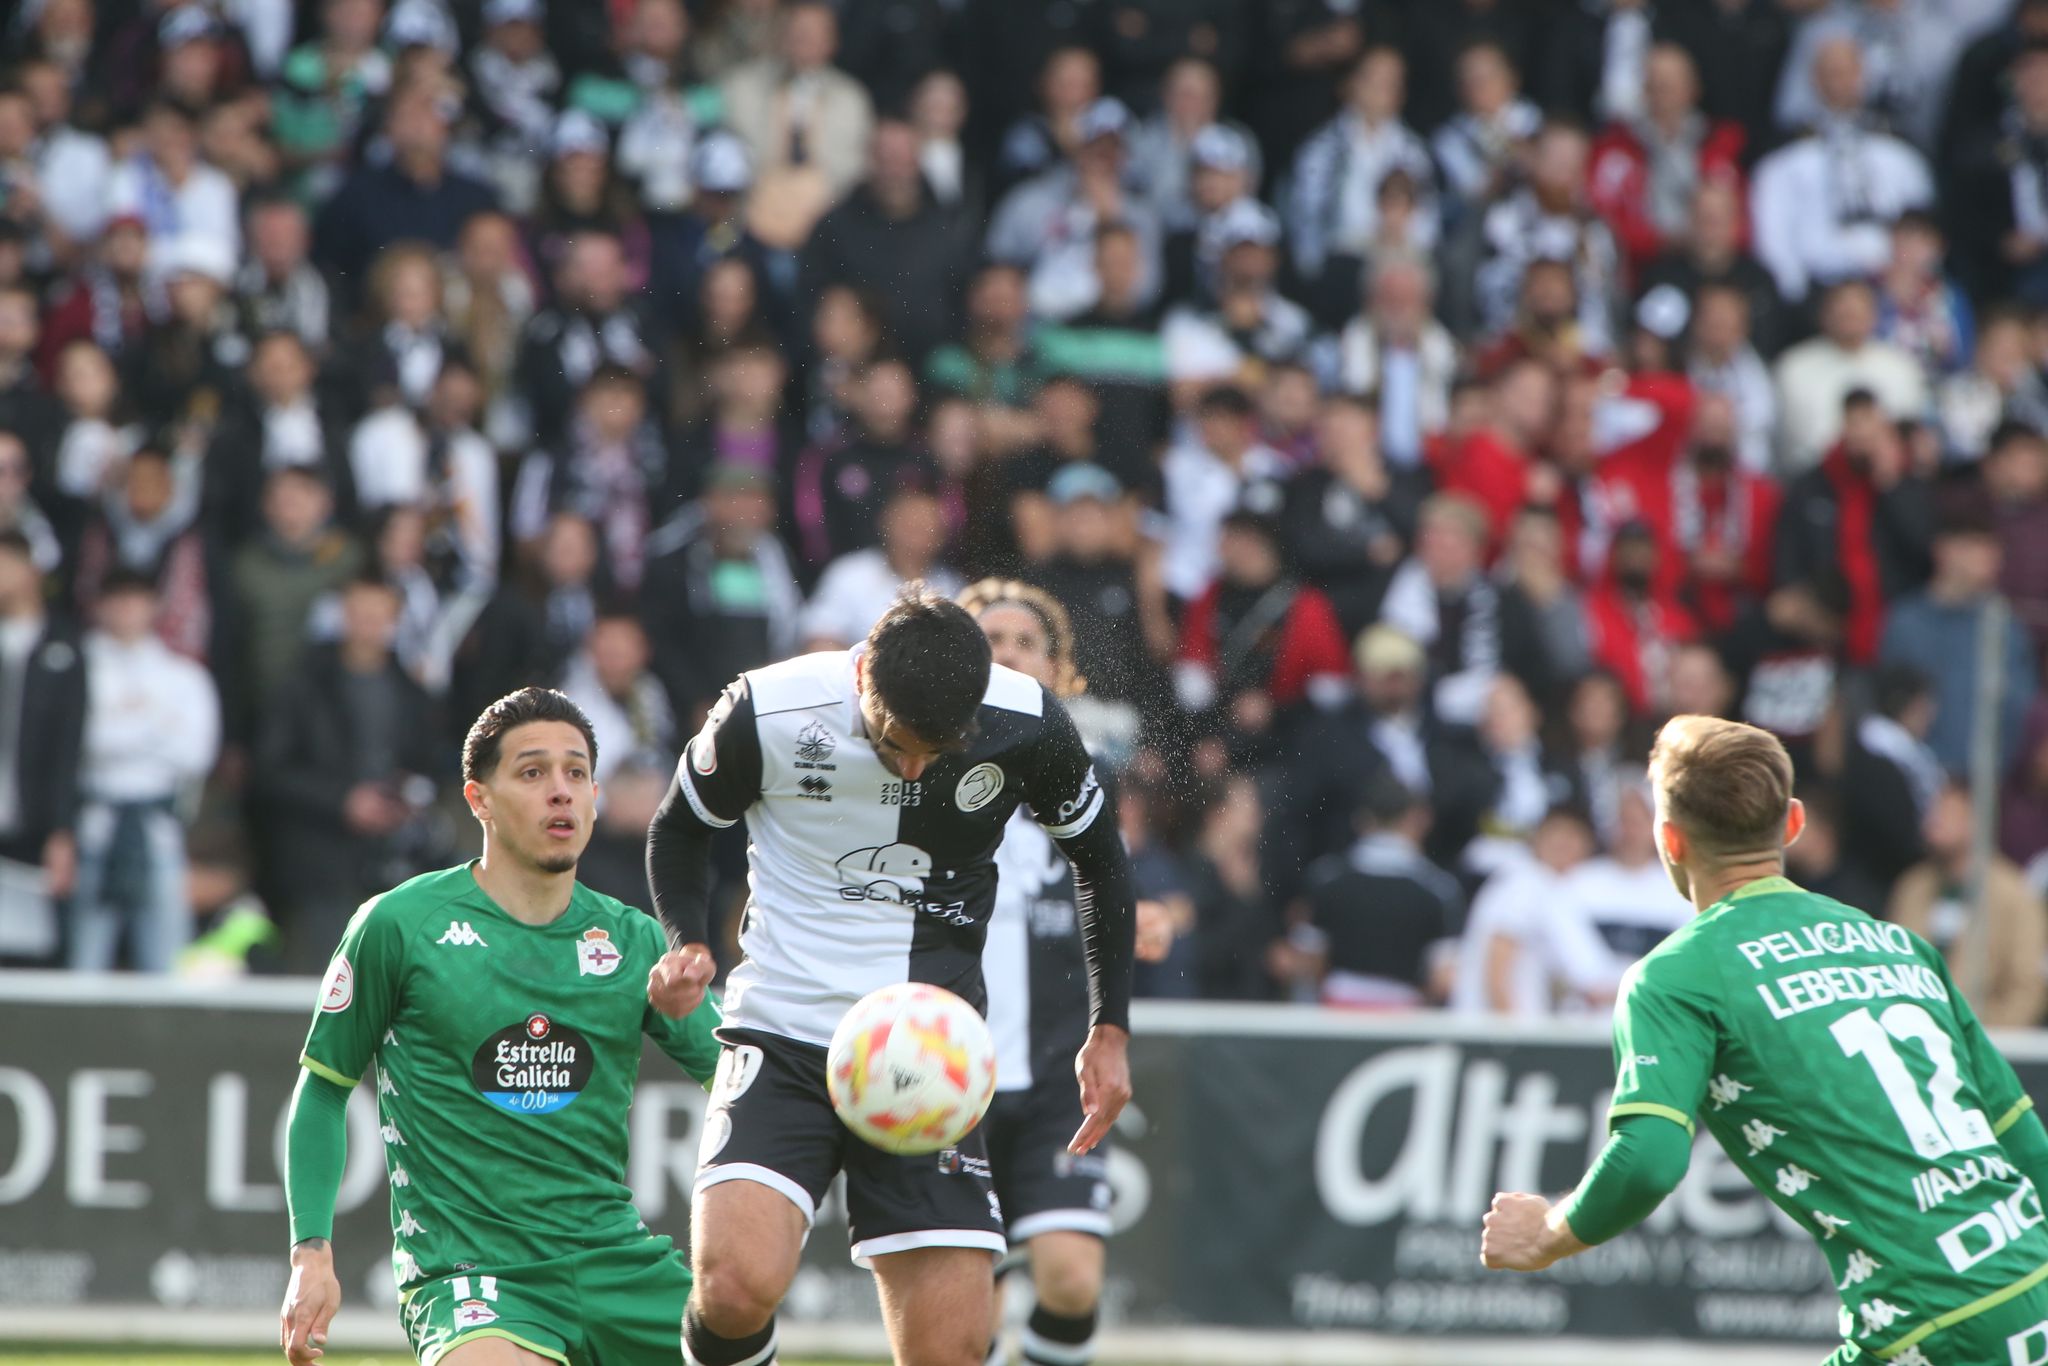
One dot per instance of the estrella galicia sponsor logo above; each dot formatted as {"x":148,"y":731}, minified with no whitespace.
{"x":814,"y":744}
{"x":535,"y":1067}
{"x":953,"y":1162}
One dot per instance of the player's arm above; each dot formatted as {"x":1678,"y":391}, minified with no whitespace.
{"x":2014,"y":1121}
{"x":716,"y":780}
{"x":356,"y":1000}
{"x":1664,"y":1046}
{"x":1061,"y":786}
{"x":688,"y":1040}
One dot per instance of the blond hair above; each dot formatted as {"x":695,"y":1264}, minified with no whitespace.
{"x":1726,"y":785}
{"x":1051,"y":616}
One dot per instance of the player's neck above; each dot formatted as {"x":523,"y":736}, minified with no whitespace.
{"x":527,"y":894}
{"x":1711,"y":887}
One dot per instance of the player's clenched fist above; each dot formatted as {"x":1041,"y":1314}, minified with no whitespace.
{"x":1519,"y":1234}
{"x":677,"y":983}
{"x":309,"y":1303}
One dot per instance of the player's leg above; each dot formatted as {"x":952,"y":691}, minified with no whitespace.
{"x":633,"y":1299}
{"x":1057,"y":1206}
{"x":938,"y":1304}
{"x":931,"y":1228}
{"x":1066,"y":1274}
{"x":745,"y":1239}
{"x":771,"y":1148}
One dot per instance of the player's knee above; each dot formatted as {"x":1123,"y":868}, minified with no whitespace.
{"x":736,"y":1299}
{"x":1066,"y":1274}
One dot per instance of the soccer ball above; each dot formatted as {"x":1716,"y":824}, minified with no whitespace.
{"x":912,"y":1068}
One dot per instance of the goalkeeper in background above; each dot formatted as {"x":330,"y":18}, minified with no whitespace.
{"x":500,"y":1006}
{"x":1836,"y":1063}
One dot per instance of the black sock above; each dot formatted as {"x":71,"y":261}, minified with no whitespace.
{"x":1051,"y":1339}
{"x":702,"y":1347}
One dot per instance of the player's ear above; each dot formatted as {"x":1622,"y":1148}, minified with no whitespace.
{"x":1795,"y":822}
{"x":479,"y":804}
{"x":1673,"y":841}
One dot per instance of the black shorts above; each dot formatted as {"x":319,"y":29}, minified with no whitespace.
{"x":771,"y":1121}
{"x":1043,"y":1187}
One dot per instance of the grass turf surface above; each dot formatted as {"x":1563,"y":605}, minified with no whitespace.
{"x":175,"y":1357}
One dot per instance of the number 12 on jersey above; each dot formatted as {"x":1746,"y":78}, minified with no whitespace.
{"x":1935,"y":1129}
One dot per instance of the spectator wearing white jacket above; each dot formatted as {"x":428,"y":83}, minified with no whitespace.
{"x":1823,"y":205}
{"x":152,"y":729}
{"x":1397,"y":352}
{"x":1815,"y":376}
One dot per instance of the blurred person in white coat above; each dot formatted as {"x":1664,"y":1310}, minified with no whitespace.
{"x":152,"y":729}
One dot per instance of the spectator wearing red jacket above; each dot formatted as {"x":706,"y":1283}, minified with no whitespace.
{"x":1713,"y":519}
{"x":1488,"y":461}
{"x":1258,"y":642}
{"x":1645,"y":172}
{"x":1632,"y":626}
{"x":1614,"y":437}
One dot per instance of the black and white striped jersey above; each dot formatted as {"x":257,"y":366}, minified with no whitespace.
{"x":858,"y":879}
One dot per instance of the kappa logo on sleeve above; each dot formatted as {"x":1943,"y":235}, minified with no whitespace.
{"x":338,"y":992}
{"x":463,"y":935}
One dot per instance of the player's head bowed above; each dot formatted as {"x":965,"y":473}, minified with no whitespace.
{"x":923,"y":674}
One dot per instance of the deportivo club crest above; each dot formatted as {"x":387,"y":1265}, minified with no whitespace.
{"x":814,"y":744}
{"x":595,"y":956}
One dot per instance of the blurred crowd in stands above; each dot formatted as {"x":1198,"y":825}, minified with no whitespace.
{"x":1413,"y":401}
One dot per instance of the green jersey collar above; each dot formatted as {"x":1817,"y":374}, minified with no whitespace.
{"x":1763,"y":886}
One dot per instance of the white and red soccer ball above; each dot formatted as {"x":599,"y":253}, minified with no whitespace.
{"x":912,"y":1068}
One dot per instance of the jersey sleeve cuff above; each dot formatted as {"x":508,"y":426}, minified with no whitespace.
{"x":689,"y":788}
{"x":326,"y":1073}
{"x":1080,"y":822}
{"x":2012,"y":1116}
{"x":1646,"y":1107}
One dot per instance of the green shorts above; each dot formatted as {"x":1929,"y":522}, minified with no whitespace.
{"x":2014,"y":1333}
{"x":609,"y":1306}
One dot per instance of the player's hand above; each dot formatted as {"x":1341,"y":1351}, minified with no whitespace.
{"x":309,"y":1303}
{"x":677,"y":983}
{"x":1104,"y":1069}
{"x":1155,"y":931}
{"x":1518,"y":1234}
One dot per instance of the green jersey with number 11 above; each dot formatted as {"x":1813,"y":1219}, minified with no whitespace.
{"x":505,"y":1057}
{"x":1834,"y":1060}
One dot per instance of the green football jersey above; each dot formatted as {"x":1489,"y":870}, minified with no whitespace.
{"x":505,"y":1056}
{"x":1841,"y":1070}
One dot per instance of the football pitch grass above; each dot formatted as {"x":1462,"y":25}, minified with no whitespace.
{"x":51,"y":1356}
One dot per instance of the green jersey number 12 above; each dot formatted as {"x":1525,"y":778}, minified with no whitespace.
{"x":1935,"y":1130}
